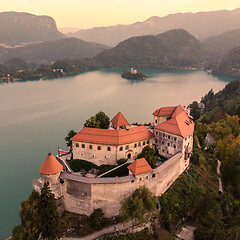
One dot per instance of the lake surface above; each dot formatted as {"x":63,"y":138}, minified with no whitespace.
{"x":35,"y":116}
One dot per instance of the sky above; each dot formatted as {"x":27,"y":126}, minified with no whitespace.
{"x":95,"y":13}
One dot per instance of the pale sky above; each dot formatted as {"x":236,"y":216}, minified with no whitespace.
{"x":95,"y":13}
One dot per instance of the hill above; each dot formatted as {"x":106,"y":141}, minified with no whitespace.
{"x":229,"y":64}
{"x":19,"y":27}
{"x":170,"y":50}
{"x":223,"y":43}
{"x":47,"y":52}
{"x":201,"y":25}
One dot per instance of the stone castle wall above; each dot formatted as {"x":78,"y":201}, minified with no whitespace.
{"x":82,"y":195}
{"x":108,"y":154}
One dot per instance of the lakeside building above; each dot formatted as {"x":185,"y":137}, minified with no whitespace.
{"x":106,"y":146}
{"x":171,"y":133}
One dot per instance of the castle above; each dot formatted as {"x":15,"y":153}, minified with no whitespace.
{"x":170,"y":133}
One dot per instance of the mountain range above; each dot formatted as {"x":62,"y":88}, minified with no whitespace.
{"x":18,"y":27}
{"x":49,"y":51}
{"x":202,"y":25}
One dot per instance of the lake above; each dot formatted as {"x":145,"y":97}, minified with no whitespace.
{"x":35,"y":116}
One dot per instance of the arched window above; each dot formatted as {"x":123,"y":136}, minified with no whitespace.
{"x":99,"y":148}
{"x":77,"y":144}
{"x":109,"y":148}
{"x":83,"y":145}
{"x":90,"y":147}
{"x":121,"y":148}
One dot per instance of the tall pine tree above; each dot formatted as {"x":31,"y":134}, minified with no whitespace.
{"x":48,"y":213}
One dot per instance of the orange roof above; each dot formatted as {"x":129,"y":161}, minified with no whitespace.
{"x":50,"y":165}
{"x":113,"y":137}
{"x":180,"y":124}
{"x":164,"y":111}
{"x":140,"y":166}
{"x":119,"y":120}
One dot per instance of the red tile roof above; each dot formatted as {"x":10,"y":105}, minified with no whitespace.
{"x":140,"y":166}
{"x":119,"y":120}
{"x":113,"y":137}
{"x":180,"y":124}
{"x":50,"y":165}
{"x":164,"y":111}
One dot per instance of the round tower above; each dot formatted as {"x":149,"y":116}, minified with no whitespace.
{"x":50,"y":173}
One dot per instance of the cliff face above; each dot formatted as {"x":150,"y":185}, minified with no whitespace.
{"x":18,"y":28}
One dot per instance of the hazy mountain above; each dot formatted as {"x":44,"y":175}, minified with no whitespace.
{"x":170,"y":50}
{"x":46,"y":52}
{"x":223,"y":43}
{"x":17,"y":27}
{"x":201,"y":25}
{"x":229,"y":64}
{"x":66,"y":30}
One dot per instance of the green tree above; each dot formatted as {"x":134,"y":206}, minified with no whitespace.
{"x":92,"y":122}
{"x":48,"y":213}
{"x":69,"y":136}
{"x":103,"y":119}
{"x":142,"y":201}
{"x":97,"y":219}
{"x":149,"y":154}
{"x":100,"y":120}
{"x":30,"y":225}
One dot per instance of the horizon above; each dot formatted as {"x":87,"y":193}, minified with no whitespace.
{"x":92,"y":14}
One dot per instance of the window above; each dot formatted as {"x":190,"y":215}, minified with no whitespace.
{"x":83,"y":145}
{"x":144,"y":143}
{"x":156,"y":133}
{"x":132,"y":181}
{"x":153,"y":175}
{"x":90,"y":147}
{"x":156,"y":141}
{"x":162,"y":142}
{"x":163,"y":135}
{"x":127,"y":147}
{"x":140,"y":179}
{"x":99,"y":148}
{"x":147,"y":141}
{"x":156,"y":121}
{"x":146,"y":177}
{"x":169,"y":137}
{"x":109,"y":148}
{"x":168,"y":144}
{"x":163,"y":150}
{"x":174,"y":146}
{"x":175,"y":139}
{"x":77,"y":144}
{"x":121,"y":148}
{"x":139,"y":144}
{"x":135,"y":145}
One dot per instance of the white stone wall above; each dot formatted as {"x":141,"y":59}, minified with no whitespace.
{"x":90,"y":152}
{"x":157,"y":120}
{"x":54,"y":183}
{"x":83,"y":198}
{"x":168,"y":144}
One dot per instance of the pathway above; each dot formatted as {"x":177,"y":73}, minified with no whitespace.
{"x":64,"y":159}
{"x":128,"y":161}
{"x":220,"y":188}
{"x":107,"y":230}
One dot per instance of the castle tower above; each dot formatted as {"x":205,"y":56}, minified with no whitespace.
{"x":119,"y":121}
{"x":50,"y":173}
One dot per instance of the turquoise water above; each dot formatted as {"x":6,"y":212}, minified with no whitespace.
{"x":35,"y":116}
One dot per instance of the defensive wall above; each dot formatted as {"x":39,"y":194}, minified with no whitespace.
{"x":82,"y":195}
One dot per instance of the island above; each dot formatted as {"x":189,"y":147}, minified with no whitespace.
{"x":134,"y":74}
